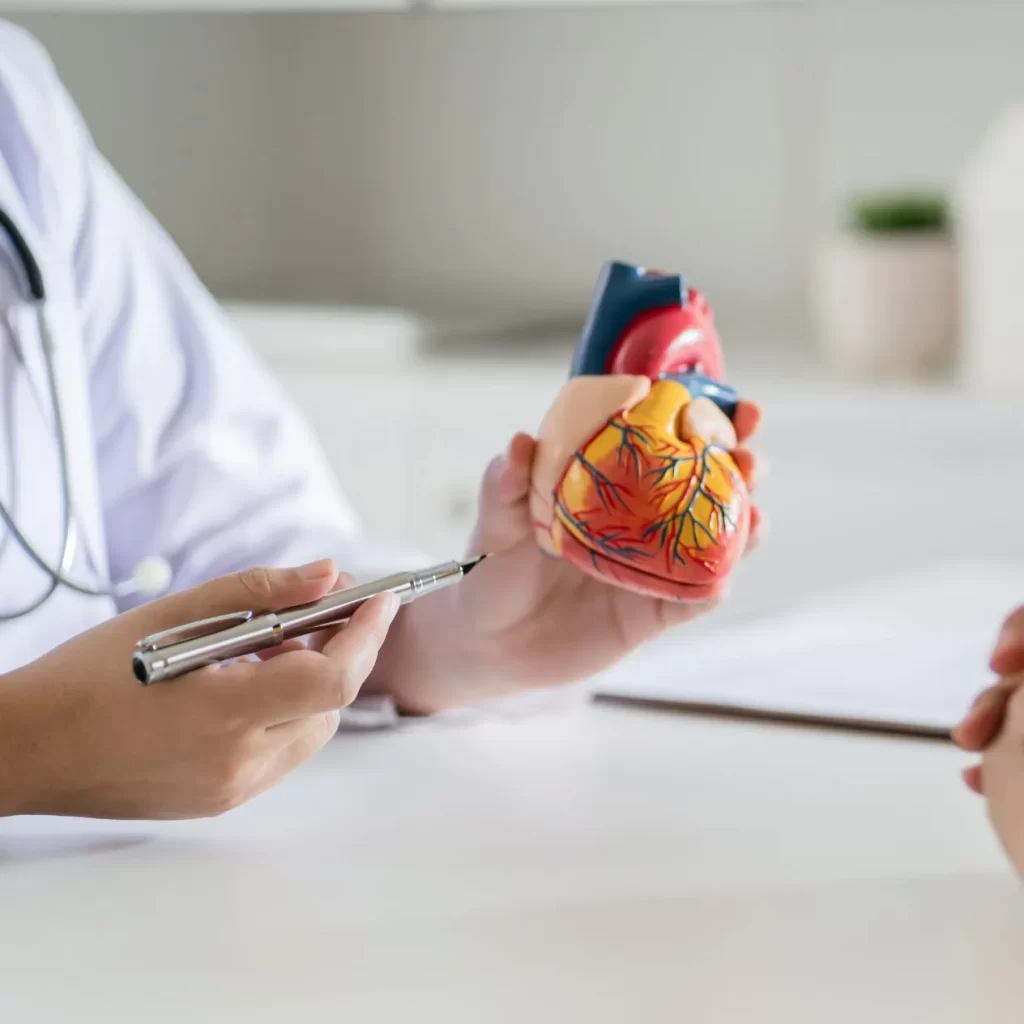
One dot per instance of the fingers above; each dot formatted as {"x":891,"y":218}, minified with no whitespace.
{"x":301,"y":683}
{"x":506,"y":481}
{"x":309,"y":733}
{"x":514,"y":482}
{"x":750,"y":466}
{"x":698,"y":418}
{"x":702,"y":418}
{"x":265,"y":590}
{"x":1008,"y":655}
{"x":751,"y":469}
{"x":757,"y":529}
{"x":316,"y":641}
{"x":984,"y":720}
{"x":504,"y":516}
{"x":353,"y":649}
{"x":257,"y":589}
{"x":314,"y":733}
{"x":746,"y":420}
{"x":291,"y":745}
{"x":286,"y":648}
{"x":974,"y":778}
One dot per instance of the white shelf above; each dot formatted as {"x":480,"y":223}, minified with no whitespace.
{"x":198,"y":6}
{"x":312,"y":6}
{"x":327,"y":338}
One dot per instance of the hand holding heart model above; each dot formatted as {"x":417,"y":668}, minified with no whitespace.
{"x":633,"y":481}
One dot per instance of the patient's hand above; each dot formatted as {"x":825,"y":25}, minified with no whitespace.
{"x":985,"y":718}
{"x":995,"y":727}
{"x":1002,"y":779}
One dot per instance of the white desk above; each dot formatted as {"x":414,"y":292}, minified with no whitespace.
{"x":589,"y":864}
{"x":592,"y":865}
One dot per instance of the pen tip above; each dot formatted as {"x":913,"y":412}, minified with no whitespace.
{"x":469,"y":566}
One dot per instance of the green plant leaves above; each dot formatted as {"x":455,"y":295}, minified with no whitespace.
{"x":884,"y":213}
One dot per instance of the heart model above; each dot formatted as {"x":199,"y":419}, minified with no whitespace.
{"x":632,"y":481}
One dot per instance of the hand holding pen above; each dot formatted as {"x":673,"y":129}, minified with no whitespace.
{"x":174,"y":652}
{"x":104,"y":746}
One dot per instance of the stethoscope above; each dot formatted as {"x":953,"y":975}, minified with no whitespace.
{"x":152,"y":575}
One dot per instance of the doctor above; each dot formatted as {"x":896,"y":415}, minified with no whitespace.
{"x":189,"y":473}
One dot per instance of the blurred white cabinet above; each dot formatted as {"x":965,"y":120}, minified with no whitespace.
{"x":990,"y":226}
{"x":409,"y":445}
{"x":407,"y":435}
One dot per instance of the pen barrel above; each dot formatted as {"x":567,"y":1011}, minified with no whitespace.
{"x":264,"y":631}
{"x":334,"y":609}
{"x":189,"y":655}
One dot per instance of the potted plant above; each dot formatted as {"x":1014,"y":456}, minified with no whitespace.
{"x":885,"y":290}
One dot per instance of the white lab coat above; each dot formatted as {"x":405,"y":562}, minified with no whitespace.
{"x":181,"y":444}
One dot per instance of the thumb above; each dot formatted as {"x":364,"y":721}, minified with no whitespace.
{"x":702,"y":418}
{"x":504,"y":516}
{"x":257,"y":589}
{"x":1008,"y":655}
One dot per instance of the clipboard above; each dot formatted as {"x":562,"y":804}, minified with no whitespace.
{"x":900,"y":656}
{"x":767,"y":716}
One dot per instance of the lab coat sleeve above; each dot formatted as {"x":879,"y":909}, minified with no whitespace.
{"x":201,"y":457}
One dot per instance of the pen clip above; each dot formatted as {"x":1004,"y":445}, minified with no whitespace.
{"x":192,"y":630}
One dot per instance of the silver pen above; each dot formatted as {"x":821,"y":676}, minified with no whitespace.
{"x":185,"y":648}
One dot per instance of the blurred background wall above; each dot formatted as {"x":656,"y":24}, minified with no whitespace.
{"x":484,"y":163}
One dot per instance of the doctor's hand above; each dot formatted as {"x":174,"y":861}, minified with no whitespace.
{"x":523,"y":619}
{"x":80,"y":736}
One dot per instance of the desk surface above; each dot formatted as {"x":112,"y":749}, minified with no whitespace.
{"x":588,"y":864}
{"x":579,"y":863}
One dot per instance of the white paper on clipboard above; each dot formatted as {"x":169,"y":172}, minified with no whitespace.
{"x":906,"y":654}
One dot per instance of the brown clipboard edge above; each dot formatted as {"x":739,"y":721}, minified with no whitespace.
{"x":905,"y":730}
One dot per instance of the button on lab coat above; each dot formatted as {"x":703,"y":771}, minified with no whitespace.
{"x":181,"y":444}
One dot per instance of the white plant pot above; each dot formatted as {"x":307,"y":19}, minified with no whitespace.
{"x":885,"y":306}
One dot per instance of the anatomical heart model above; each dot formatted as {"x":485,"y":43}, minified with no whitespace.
{"x":632,"y":480}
